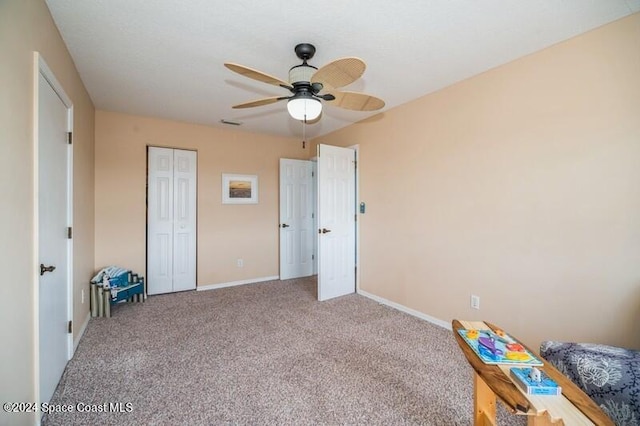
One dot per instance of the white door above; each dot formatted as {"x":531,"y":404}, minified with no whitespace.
{"x":171,"y":220}
{"x":296,"y":218}
{"x":184,"y":213}
{"x":336,"y":221}
{"x":160,"y":221}
{"x":53,"y":244}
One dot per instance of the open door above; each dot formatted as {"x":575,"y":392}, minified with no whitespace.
{"x":53,"y":229}
{"x":336,"y":221}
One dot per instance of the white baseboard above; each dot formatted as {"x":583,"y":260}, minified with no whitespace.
{"x":235,"y":283}
{"x":83,"y":327}
{"x":406,"y":310}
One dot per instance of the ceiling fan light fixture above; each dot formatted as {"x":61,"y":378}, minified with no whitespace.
{"x":304,"y":107}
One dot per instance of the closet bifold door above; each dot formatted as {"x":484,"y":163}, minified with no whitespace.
{"x":171,"y":220}
{"x":184,"y":220}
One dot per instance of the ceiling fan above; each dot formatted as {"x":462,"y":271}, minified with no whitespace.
{"x":309,"y":85}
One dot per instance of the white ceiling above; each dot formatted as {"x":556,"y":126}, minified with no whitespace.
{"x":164,"y":58}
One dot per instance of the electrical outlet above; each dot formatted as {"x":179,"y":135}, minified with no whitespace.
{"x":475,"y":301}
{"x":82,"y":295}
{"x":240,"y":263}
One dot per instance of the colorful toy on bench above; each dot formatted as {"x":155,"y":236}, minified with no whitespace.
{"x":493,"y":348}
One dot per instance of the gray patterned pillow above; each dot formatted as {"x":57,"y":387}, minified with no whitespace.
{"x":609,"y":375}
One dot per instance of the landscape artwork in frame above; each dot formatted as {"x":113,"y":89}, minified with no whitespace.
{"x":239,"y":189}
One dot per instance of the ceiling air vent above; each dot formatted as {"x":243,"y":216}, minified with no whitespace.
{"x":231,"y":123}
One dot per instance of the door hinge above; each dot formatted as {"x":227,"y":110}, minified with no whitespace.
{"x":313,"y":215}
{"x":313,"y":174}
{"x":69,"y":233}
{"x":70,"y":327}
{"x":355,"y":164}
{"x":313,"y":256}
{"x":355,"y":217}
{"x":69,"y":138}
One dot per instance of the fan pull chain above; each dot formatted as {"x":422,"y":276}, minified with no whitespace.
{"x":304,"y":132}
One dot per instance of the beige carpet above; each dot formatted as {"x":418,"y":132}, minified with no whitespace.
{"x":266,"y":353}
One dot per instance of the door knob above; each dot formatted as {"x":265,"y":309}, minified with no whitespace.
{"x":284,"y":225}
{"x":324,"y":230}
{"x":44,"y":269}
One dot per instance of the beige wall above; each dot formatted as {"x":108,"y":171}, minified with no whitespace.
{"x":25,"y":26}
{"x":519,"y":185}
{"x":225,"y":232}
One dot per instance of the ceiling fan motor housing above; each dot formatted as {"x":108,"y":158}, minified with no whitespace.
{"x":301,"y":73}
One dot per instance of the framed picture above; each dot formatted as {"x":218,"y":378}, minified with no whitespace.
{"x":239,"y":189}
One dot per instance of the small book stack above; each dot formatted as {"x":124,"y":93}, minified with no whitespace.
{"x":534,"y":382}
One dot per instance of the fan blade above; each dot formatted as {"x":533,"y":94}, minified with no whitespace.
{"x":340,"y":72}
{"x":356,"y":101}
{"x":260,"y":102}
{"x":257,"y":75}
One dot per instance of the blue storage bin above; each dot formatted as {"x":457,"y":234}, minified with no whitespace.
{"x":119,"y":281}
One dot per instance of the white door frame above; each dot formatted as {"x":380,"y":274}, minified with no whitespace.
{"x":314,"y":197}
{"x":356,"y":148}
{"x":40,"y":67}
